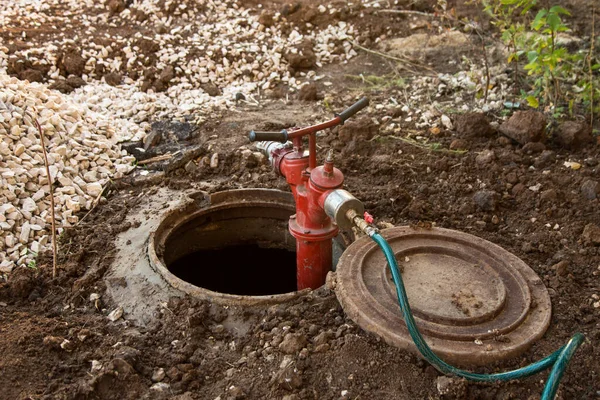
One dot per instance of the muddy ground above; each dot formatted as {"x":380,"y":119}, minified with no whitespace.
{"x":57,"y":344}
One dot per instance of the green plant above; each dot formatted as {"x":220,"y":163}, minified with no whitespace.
{"x":547,"y":62}
{"x":556,"y":75}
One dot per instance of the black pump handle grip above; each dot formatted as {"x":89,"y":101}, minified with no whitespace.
{"x":353,"y":109}
{"x":281,"y":137}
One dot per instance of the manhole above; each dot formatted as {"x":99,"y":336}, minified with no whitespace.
{"x":473,"y":301}
{"x":232,"y":247}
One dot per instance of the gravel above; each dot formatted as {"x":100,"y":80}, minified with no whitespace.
{"x":83,"y":157}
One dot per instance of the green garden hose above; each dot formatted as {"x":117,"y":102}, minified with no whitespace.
{"x":557,"y":360}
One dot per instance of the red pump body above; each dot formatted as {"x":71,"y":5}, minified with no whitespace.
{"x":311,"y":227}
{"x":310,"y":185}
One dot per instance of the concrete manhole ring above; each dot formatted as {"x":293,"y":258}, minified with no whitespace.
{"x":474,"y":302}
{"x":225,"y":221}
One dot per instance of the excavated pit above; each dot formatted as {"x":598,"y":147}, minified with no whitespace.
{"x":230,"y":247}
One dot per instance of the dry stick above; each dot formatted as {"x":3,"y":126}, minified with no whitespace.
{"x":403,"y":60}
{"x":54,"y":247}
{"x":405,"y":12}
{"x":590,"y":68}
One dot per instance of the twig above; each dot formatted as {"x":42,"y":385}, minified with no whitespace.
{"x":406,"y":12}
{"x":162,"y":157}
{"x":399,"y":59}
{"x":94,"y":204}
{"x":422,"y":145}
{"x":590,"y":67}
{"x":54,"y":246}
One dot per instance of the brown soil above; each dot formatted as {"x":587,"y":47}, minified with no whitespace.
{"x":50,"y":332}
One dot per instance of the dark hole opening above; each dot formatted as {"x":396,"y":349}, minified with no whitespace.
{"x":248,"y":270}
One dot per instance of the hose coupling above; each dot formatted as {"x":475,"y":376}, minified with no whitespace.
{"x":358,"y":221}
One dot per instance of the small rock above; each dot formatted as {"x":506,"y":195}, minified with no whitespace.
{"x":32,"y":75}
{"x":561,"y":268}
{"x":115,"y":314}
{"x":67,"y":345}
{"x":94,"y":189}
{"x":113,"y":78}
{"x":289,"y":378}
{"x":544,"y":159}
{"x":525,"y":126}
{"x":591,"y":234}
{"x":53,"y":342}
{"x":573,"y":134}
{"x":153,"y":139}
{"x":158,"y":375}
{"x":160,"y":387}
{"x":473,"y":125}
{"x":447,"y":123}
{"x":533,"y":148}
{"x":214,"y":160}
{"x":590,"y":189}
{"x":266,"y":18}
{"x":459,"y":144}
{"x":96,"y":366}
{"x":191,"y":167}
{"x":455,"y":388}
{"x":485,"y":157}
{"x":486,"y":200}
{"x":211,"y":89}
{"x":116,"y":6}
{"x":308,"y":92}
{"x":548,"y":196}
{"x":292,"y":343}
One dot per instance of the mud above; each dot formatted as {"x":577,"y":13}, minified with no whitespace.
{"x":57,"y":342}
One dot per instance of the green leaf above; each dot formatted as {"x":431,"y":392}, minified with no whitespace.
{"x":559,"y":10}
{"x":539,"y":19}
{"x":532,"y":101}
{"x":508,"y":2}
{"x":554,"y":22}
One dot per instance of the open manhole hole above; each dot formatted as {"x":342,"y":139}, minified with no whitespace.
{"x":232,"y":247}
{"x":473,"y":301}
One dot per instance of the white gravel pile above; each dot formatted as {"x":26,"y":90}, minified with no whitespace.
{"x":82,"y":156}
{"x":196,"y":42}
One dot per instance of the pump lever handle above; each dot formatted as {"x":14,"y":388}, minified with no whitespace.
{"x":281,"y":136}
{"x":353,"y":109}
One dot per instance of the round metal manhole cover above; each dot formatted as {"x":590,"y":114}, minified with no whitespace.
{"x":473,"y":301}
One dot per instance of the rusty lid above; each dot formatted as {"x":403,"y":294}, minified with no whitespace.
{"x":473,"y":301}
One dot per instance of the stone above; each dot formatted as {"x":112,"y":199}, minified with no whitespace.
{"x":525,"y":126}
{"x":548,"y":196}
{"x":94,"y":189}
{"x":544,"y":159}
{"x":473,"y":125}
{"x":459,"y":144}
{"x":485,"y":157}
{"x":309,"y":92}
{"x":153,"y":139}
{"x":266,"y":18}
{"x":453,"y":388}
{"x":292,"y":343}
{"x":214,"y":160}
{"x":561,"y":268}
{"x":572,"y":134}
{"x":486,"y":200}
{"x":591,"y":234}
{"x":533,"y":147}
{"x":29,"y":205}
{"x":113,"y":78}
{"x":447,"y":122}
{"x":115,"y":314}
{"x":590,"y":189}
